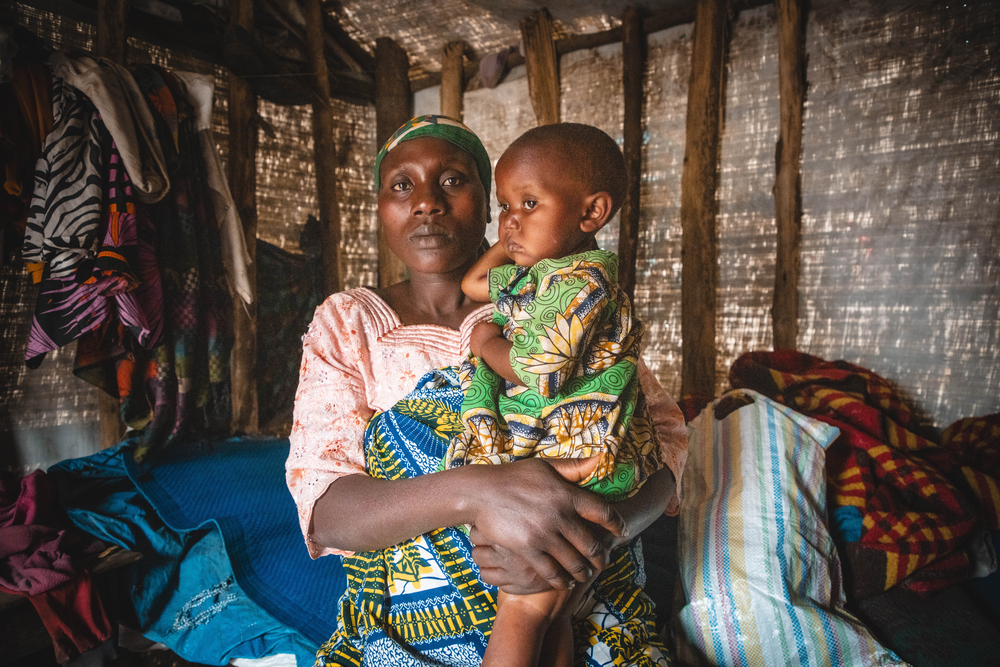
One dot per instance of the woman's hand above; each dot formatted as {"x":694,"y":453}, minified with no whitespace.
{"x":542,"y":527}
{"x":501,"y":567}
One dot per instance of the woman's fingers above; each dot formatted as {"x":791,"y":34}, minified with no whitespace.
{"x":595,"y":509}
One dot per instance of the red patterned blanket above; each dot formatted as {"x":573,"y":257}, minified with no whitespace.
{"x":904,"y":501}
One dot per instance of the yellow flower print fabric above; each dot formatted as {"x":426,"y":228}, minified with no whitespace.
{"x":575,"y":347}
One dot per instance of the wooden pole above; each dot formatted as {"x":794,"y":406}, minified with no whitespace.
{"x":393,"y":107}
{"x":111,"y":44}
{"x":243,"y":184}
{"x":788,"y":168}
{"x":111,"y":20}
{"x":453,"y":80}
{"x":542,"y":65}
{"x":324,"y":149}
{"x":699,"y":182}
{"x":633,"y":69}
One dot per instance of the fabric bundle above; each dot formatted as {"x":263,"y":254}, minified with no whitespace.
{"x":904,"y":503}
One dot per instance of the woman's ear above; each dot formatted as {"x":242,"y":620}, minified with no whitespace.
{"x":597,"y":213}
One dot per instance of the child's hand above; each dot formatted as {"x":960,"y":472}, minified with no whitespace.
{"x":481,"y":333}
{"x":545,"y":607}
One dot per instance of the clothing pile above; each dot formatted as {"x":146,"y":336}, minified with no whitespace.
{"x":130,"y":233}
{"x":39,"y":554}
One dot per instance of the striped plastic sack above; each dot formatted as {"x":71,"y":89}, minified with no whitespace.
{"x":760,"y":571}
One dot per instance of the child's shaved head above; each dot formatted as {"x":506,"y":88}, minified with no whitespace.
{"x":586,"y":152}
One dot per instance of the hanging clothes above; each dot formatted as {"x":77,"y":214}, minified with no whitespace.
{"x":21,"y":121}
{"x":120,"y":281}
{"x":200,"y":90}
{"x":197,"y":303}
{"x":113,"y":91}
{"x":64,"y":218}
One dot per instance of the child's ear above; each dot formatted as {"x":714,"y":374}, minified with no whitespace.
{"x":597,"y":212}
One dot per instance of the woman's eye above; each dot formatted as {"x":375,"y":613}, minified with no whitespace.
{"x":530,"y":204}
{"x":452,"y":180}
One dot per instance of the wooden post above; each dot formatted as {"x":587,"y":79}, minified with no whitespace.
{"x":393,"y":107}
{"x":453,"y":80}
{"x":243,"y":184}
{"x":633,"y":69}
{"x":699,"y":182}
{"x":788,"y":167}
{"x":111,"y":44}
{"x":111,"y":41}
{"x":324,"y":149}
{"x":542,"y":65}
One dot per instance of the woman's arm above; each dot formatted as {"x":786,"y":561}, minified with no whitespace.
{"x":525,"y":507}
{"x":476,"y":283}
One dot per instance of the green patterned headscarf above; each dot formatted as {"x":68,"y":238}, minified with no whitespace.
{"x":441,"y":127}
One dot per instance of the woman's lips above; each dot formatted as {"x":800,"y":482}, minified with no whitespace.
{"x":430,"y":235}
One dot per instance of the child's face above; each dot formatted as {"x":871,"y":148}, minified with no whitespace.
{"x":542,"y":206}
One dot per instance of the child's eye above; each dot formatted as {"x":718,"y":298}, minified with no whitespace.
{"x":400,"y":186}
{"x":530,"y":204}
{"x":503,"y":207}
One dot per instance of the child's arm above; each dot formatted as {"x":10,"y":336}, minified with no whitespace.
{"x":487,"y":341}
{"x":476,"y":283}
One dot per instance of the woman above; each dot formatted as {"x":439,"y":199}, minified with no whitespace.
{"x":365,"y":350}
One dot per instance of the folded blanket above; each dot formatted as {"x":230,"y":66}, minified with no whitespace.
{"x":903,"y":502}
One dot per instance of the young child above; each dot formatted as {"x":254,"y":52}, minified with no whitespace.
{"x":555,"y":374}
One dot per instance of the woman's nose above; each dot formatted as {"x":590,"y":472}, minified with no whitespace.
{"x":428,"y":200}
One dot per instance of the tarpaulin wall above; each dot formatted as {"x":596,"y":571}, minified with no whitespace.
{"x":901,"y":157}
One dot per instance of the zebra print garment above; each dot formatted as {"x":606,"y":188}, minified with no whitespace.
{"x":65,"y":214}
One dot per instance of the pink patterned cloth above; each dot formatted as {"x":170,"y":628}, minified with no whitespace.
{"x":359,"y":358}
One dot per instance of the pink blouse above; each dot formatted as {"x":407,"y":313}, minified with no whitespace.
{"x":359,"y":358}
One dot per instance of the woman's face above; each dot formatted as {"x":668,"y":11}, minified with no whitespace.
{"x":432,"y":205}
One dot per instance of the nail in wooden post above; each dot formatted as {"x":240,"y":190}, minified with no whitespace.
{"x":111,"y":44}
{"x":788,"y":168}
{"x":242,"y":165}
{"x":393,"y":107}
{"x":542,"y":65}
{"x":453,"y":79}
{"x":633,"y":70}
{"x":699,"y":182}
{"x":324,"y":148}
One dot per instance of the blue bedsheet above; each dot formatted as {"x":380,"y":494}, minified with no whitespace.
{"x":233,"y":487}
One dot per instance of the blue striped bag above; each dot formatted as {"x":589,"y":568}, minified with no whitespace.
{"x":760,"y":571}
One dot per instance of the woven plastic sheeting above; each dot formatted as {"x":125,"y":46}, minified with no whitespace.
{"x":900,"y":161}
{"x":901,"y":225}
{"x":485,"y":25}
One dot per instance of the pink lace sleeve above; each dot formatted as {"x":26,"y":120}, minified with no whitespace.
{"x":670,"y":429}
{"x":331,"y":409}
